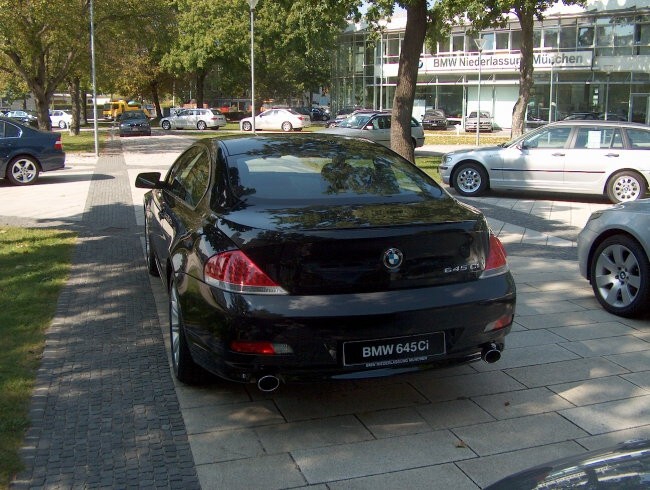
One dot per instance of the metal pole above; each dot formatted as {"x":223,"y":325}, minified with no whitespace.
{"x":607,"y":97}
{"x":92,"y":68}
{"x":478,"y":111}
{"x":550,"y":98}
{"x":381,"y":68}
{"x":252,"y":66}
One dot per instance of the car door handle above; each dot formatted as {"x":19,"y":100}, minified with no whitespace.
{"x":615,"y":155}
{"x":558,"y":154}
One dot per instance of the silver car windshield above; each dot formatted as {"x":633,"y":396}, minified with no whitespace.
{"x":356,"y":121}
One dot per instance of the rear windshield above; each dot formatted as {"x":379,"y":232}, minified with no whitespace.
{"x":314,"y":175}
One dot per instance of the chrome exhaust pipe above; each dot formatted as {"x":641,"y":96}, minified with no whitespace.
{"x":491,"y":353}
{"x":268,"y":383}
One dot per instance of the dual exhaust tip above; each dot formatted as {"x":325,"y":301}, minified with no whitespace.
{"x":268,"y":383}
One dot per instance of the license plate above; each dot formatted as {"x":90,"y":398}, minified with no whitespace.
{"x":393,"y":351}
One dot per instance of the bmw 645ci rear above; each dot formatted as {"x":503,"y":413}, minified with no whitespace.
{"x":303,"y":257}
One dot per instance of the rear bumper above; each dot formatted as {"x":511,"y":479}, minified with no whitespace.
{"x":316,"y":327}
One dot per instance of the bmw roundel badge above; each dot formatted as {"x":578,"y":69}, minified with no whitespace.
{"x":393,"y":258}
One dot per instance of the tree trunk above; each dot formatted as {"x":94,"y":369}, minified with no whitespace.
{"x":156,"y":99}
{"x":400,"y":131}
{"x":200,"y":81}
{"x":73,"y":88}
{"x":526,"y":20}
{"x":42,"y":109}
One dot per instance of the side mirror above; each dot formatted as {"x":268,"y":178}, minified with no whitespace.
{"x":149,"y":180}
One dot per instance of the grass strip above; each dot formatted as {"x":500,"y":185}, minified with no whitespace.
{"x":35,"y":264}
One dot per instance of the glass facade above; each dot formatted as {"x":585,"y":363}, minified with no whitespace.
{"x":595,"y":62}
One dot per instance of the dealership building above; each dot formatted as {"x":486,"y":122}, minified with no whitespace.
{"x":593,"y":59}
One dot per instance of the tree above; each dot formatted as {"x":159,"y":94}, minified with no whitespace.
{"x":39,"y":42}
{"x":485,"y":13}
{"x":293,"y":44}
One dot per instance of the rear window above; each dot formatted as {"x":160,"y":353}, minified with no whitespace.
{"x":639,"y":139}
{"x":319,"y":175}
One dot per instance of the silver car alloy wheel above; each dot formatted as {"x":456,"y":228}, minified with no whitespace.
{"x":175,"y":325}
{"x":626,"y":188}
{"x":469,"y":180}
{"x":24,"y":171}
{"x":617,"y":276}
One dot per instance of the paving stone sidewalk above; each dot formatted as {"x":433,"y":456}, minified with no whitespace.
{"x":104,"y":412}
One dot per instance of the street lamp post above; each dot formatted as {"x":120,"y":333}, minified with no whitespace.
{"x":480,"y":43}
{"x":92,"y":69}
{"x":550,"y":97}
{"x":382,"y":25}
{"x":252,"y":4}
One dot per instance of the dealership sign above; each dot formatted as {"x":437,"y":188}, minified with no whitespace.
{"x":465,"y":62}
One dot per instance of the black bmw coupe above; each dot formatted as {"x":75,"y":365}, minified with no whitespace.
{"x":306,"y":257}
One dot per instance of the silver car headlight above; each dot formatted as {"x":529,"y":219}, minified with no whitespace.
{"x":446,"y":159}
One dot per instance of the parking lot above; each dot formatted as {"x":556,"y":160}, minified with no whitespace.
{"x":572,"y":377}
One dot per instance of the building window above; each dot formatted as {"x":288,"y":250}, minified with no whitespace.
{"x":585,"y":36}
{"x":614,"y":36}
{"x":537,"y":39}
{"x":502,"y":40}
{"x":568,"y":37}
{"x":642,"y":38}
{"x":458,"y":42}
{"x":550,"y":37}
{"x":515,"y":40}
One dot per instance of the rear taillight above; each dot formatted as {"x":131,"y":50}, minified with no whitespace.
{"x":233,"y":271}
{"x":58,"y":145}
{"x":260,"y":347}
{"x":496,"y":262}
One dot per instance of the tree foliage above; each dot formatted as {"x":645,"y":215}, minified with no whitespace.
{"x":293,"y":43}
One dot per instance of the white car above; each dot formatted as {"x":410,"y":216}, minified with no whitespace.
{"x":194,"y":119}
{"x":60,"y":119}
{"x":582,"y":157}
{"x":276,"y":120}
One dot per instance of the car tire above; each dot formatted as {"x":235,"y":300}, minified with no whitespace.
{"x":286,"y":126}
{"x":626,"y":185}
{"x":470,"y":179}
{"x":619,"y":274}
{"x":62,"y":125}
{"x":325,"y":117}
{"x":23,"y":171}
{"x":166,"y":125}
{"x":185,"y":369}
{"x":150,"y":258}
{"x":246,"y":126}
{"x":201,"y":125}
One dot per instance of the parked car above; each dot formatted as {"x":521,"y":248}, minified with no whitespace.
{"x":305,"y":111}
{"x":25,"y":152}
{"x":134,"y":123}
{"x":315,"y":257}
{"x":434,"y":119}
{"x":275,"y":120}
{"x":60,"y":118}
{"x":200,"y":119}
{"x":621,"y":467}
{"x":485,"y":123}
{"x":318,"y":114}
{"x":585,"y":157}
{"x":582,"y":116}
{"x":26,"y":117}
{"x":613,"y":254}
{"x":342,"y":115}
{"x":374,"y":126}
